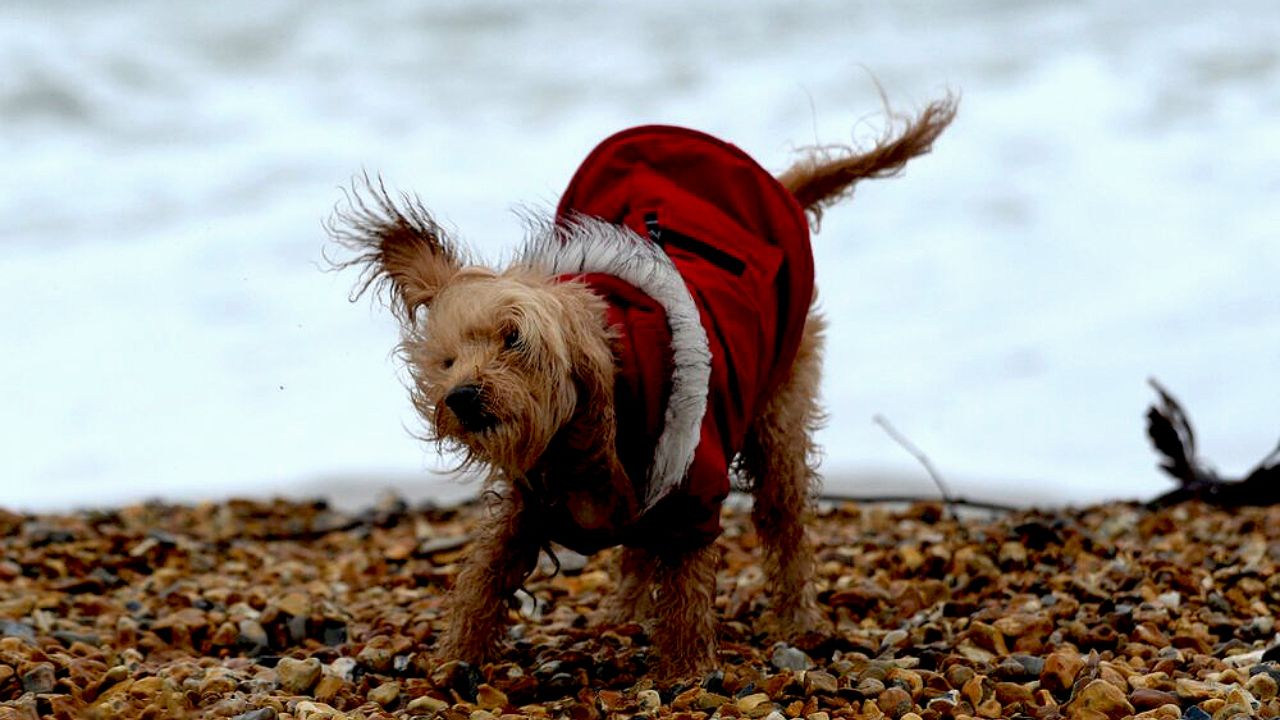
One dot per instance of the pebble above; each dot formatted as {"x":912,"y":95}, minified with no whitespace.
{"x":1060,"y":670}
{"x":750,"y":703}
{"x":377,"y":655}
{"x":344,"y":667}
{"x":785,"y":657}
{"x":426,"y":705}
{"x":1101,"y":698}
{"x":819,"y":682}
{"x":298,"y":676}
{"x":650,"y":700}
{"x":869,"y":687}
{"x":386,"y":694}
{"x":1195,"y":713}
{"x":20,"y":630}
{"x":1008,"y":693}
{"x":328,"y":688}
{"x":1032,"y":666}
{"x":988,"y":638}
{"x":1193,"y":690}
{"x":894,"y":702}
{"x":895,"y":638}
{"x":266,"y":713}
{"x":1149,"y":699}
{"x":1164,"y":712}
{"x":39,"y":679}
{"x":218,"y":681}
{"x":1013,"y":553}
{"x":308,"y":710}
{"x":253,"y":637}
{"x":1263,"y":686}
{"x":490,"y":698}
{"x":709,"y":701}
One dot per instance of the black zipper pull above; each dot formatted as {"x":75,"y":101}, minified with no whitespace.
{"x":655,"y":230}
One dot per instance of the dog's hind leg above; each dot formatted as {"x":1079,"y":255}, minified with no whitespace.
{"x":780,"y":459}
{"x":633,"y":599}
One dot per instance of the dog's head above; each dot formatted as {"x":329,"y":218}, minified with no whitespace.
{"x":501,"y":361}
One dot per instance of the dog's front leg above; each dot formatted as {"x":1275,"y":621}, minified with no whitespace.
{"x":503,"y":555}
{"x":685,"y":621}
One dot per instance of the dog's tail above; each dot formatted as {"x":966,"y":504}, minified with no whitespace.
{"x":827,"y":174}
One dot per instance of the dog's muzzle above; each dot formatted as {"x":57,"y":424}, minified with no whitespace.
{"x":466,"y":402}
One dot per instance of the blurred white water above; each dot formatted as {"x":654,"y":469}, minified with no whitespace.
{"x":1104,"y":209}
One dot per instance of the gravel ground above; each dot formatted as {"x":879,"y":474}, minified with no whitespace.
{"x":260,"y":610}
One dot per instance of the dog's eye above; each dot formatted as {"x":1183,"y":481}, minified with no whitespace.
{"x":511,"y":339}
{"x":446,"y":363}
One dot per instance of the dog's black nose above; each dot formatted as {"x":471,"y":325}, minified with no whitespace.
{"x":464,"y":401}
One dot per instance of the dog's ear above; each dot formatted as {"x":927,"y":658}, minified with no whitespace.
{"x":399,"y":247}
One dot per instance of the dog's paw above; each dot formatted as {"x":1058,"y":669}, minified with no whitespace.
{"x":466,"y":648}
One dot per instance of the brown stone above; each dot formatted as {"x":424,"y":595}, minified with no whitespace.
{"x":1149,"y":699}
{"x":218,"y":682}
{"x":650,"y":700}
{"x":426,"y":705}
{"x":710,"y":701}
{"x":377,"y":655}
{"x":1192,"y":690}
{"x":611,"y":700}
{"x":1149,"y":634}
{"x":294,"y":603}
{"x":490,"y":698}
{"x":328,"y":689}
{"x":225,"y":635}
{"x":749,"y":704}
{"x":1013,"y":553}
{"x":869,"y":687}
{"x":988,"y":638}
{"x":894,"y":702}
{"x":1164,"y":712}
{"x":298,"y":676}
{"x":1009,"y":693}
{"x":1060,"y":670}
{"x":1100,"y":699}
{"x":1263,"y":686}
{"x":388,"y":693}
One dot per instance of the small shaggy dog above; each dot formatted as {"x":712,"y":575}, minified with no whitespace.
{"x":656,"y":335}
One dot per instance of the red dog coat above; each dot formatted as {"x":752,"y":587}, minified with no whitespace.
{"x":707,"y":269}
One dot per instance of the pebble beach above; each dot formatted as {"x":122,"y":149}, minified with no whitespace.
{"x":294,"y":610}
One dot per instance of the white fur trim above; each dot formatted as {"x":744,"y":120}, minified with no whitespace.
{"x":590,"y":245}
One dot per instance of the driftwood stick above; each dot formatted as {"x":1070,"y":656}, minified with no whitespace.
{"x":919,"y":455}
{"x":978,"y":504}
